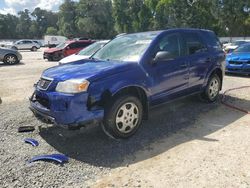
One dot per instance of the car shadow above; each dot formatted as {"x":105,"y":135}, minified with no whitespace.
{"x":180,"y":118}
{"x":238,"y":75}
{"x":18,"y":64}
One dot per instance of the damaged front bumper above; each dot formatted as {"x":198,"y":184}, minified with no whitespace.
{"x":66,"y":110}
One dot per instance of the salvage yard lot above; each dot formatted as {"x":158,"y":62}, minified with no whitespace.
{"x":187,"y":143}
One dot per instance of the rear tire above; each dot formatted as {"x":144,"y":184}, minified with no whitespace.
{"x":10,"y":59}
{"x":123,"y":117}
{"x":212,"y":90}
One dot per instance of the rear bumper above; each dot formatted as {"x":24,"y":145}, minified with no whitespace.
{"x":63,"y":109}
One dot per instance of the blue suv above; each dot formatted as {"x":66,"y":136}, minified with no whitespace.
{"x":119,"y":84}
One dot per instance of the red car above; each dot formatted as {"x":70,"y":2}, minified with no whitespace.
{"x":65,"y":49}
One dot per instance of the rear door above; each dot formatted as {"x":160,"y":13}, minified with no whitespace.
{"x":27,"y":44}
{"x":198,"y":59}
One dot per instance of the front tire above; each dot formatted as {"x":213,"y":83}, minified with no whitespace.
{"x":10,"y":59}
{"x":212,"y":90}
{"x":123,"y":117}
{"x":34,"y":49}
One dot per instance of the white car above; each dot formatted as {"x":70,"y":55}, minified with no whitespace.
{"x":232,"y":46}
{"x":85,"y":53}
{"x":25,"y":45}
{"x":52,"y":41}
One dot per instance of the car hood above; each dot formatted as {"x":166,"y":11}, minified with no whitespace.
{"x":231,"y":47}
{"x":72,"y":58}
{"x":51,"y":50}
{"x":7,"y":50}
{"x":238,"y":56}
{"x":87,"y":69}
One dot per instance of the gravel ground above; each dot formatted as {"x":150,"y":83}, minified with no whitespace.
{"x":92,"y":154}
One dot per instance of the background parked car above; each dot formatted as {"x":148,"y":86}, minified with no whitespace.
{"x":9,"y":56}
{"x":38,"y":42}
{"x":52,"y":41}
{"x":239,"y":60}
{"x":231,"y":47}
{"x":65,"y":49}
{"x":127,"y":77}
{"x":85,"y":53}
{"x":25,"y":45}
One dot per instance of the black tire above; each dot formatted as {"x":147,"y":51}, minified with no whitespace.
{"x":133,"y":117}
{"x":50,"y":59}
{"x":10,"y":59}
{"x":213,"y":88}
{"x":34,"y":49}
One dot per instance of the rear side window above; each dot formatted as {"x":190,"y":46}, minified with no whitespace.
{"x":194,"y":44}
{"x":79,"y":44}
{"x":27,"y":42}
{"x":213,"y":41}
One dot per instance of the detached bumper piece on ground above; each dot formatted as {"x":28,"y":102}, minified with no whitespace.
{"x":59,"y":158}
{"x":31,"y":141}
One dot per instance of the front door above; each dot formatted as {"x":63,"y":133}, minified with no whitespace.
{"x":171,"y":76}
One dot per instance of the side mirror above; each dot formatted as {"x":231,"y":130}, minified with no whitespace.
{"x":67,"y":48}
{"x":162,"y":56}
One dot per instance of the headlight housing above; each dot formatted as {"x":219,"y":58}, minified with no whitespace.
{"x":72,"y":86}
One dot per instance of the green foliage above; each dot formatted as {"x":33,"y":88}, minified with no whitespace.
{"x":66,"y":18}
{"x":94,"y":19}
{"x":51,"y":31}
{"x":101,"y":19}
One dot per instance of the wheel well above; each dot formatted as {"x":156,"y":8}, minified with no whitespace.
{"x":132,"y":90}
{"x":218,"y":72}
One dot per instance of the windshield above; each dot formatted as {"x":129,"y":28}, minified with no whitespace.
{"x":61,"y":45}
{"x":126,"y":48}
{"x":91,"y":49}
{"x":244,"y":48}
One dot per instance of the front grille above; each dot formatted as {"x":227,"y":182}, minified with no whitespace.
{"x":44,"y":83}
{"x":230,"y":69}
{"x":235,"y":62}
{"x":43,"y":101}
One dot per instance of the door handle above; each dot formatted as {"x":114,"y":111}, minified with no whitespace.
{"x":183,"y":65}
{"x":208,"y":60}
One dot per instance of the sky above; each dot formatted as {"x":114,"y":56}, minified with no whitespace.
{"x":13,"y":6}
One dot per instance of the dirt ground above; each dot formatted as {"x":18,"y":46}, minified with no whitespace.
{"x":187,"y":143}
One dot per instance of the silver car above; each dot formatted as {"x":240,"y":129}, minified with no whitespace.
{"x":9,"y":56}
{"x":25,"y":45}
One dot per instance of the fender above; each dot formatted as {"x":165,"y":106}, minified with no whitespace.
{"x":111,"y":86}
{"x":209,"y":73}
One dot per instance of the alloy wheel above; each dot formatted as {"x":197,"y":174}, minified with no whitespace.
{"x":213,"y":89}
{"x":127,"y":117}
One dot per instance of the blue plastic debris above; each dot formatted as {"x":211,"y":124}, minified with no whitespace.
{"x":60,"y":158}
{"x":31,"y":141}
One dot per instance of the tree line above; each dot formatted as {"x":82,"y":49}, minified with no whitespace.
{"x":102,"y":19}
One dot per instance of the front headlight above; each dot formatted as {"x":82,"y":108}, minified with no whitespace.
{"x":72,"y":86}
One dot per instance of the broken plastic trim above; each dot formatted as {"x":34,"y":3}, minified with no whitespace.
{"x":26,"y":129}
{"x":59,"y":158}
{"x":31,"y":141}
